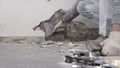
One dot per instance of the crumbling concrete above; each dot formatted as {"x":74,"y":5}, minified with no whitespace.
{"x":75,"y":30}
{"x":62,"y":45}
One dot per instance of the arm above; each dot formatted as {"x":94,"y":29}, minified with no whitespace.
{"x":72,"y":13}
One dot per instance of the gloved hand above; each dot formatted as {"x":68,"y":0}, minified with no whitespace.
{"x":111,"y":46}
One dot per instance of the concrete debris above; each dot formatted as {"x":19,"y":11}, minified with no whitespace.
{"x":47,"y":43}
{"x":73,"y":31}
{"x":60,"y":43}
{"x":90,"y":45}
{"x":43,"y":46}
{"x":68,"y":36}
{"x":61,"y":51}
{"x":70,"y":44}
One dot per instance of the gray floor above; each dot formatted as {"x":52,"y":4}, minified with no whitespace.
{"x":26,"y":56}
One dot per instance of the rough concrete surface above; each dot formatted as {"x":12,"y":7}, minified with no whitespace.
{"x":29,"y":56}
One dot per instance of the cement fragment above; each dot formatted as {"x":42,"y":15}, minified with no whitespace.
{"x":73,"y":31}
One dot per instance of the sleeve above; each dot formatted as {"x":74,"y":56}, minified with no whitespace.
{"x":72,"y":13}
{"x":116,"y":12}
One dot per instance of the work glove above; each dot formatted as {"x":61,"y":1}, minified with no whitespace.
{"x":111,"y":46}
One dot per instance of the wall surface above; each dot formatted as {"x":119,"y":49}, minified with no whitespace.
{"x":18,"y":17}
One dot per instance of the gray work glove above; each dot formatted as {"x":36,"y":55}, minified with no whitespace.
{"x":111,"y":46}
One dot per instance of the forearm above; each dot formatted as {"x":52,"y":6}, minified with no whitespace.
{"x":70,"y":16}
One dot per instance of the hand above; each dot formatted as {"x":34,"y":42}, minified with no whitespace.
{"x":111,"y":46}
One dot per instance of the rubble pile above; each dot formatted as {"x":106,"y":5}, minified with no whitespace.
{"x":90,"y":45}
{"x":74,"y":31}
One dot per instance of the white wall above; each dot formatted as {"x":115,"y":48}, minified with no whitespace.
{"x":18,"y":17}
